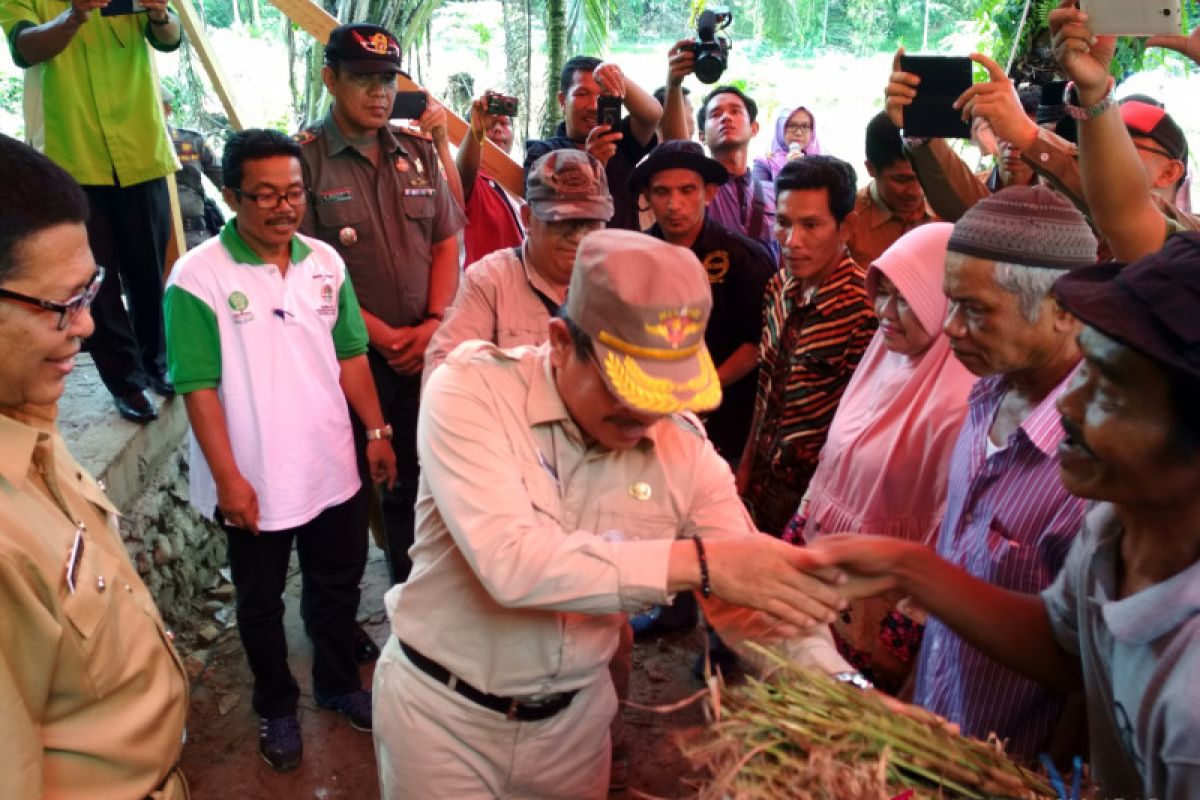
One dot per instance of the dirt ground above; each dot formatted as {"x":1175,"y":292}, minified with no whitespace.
{"x":221,"y":757}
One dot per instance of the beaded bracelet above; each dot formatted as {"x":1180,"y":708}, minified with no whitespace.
{"x":705,"y":585}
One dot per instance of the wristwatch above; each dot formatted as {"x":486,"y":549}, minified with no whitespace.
{"x":166,"y":20}
{"x":855,"y":679}
{"x":374,"y":434}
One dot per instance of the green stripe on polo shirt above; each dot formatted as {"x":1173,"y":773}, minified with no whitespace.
{"x":240,"y":252}
{"x":349,"y":332}
{"x":193,"y":341}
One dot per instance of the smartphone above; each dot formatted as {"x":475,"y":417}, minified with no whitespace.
{"x":409,"y":105}
{"x":117,"y":8}
{"x":932,"y":113}
{"x":608,"y":111}
{"x":502,"y":104}
{"x":1133,"y":17}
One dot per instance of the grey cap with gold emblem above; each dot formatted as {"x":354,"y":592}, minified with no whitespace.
{"x":568,"y":184}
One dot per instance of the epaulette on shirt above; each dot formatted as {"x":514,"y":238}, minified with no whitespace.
{"x":304,"y":137}
{"x":689,"y":422}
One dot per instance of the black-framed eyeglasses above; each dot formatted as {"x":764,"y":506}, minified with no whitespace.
{"x":1158,"y":151}
{"x":68,"y":311}
{"x":798,"y":127}
{"x":269,"y":201}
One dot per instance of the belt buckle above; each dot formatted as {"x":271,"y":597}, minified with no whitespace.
{"x":514,"y":705}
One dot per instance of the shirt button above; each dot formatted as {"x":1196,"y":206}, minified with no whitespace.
{"x":1044,"y":157}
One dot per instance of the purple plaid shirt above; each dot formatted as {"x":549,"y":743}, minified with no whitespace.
{"x":1010,"y":522}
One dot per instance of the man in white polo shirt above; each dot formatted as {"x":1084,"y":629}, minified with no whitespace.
{"x":266,"y":343}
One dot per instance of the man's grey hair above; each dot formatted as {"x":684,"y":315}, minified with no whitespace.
{"x":1030,"y":284}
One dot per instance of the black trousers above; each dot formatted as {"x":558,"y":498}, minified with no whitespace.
{"x":400,"y":397}
{"x":332,"y":549}
{"x":128,"y":228}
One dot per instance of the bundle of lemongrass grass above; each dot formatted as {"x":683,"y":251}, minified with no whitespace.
{"x":802,"y":734}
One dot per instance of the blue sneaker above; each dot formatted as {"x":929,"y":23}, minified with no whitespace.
{"x":279,"y":742}
{"x":354,"y":706}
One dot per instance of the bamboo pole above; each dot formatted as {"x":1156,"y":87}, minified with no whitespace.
{"x":193,"y":26}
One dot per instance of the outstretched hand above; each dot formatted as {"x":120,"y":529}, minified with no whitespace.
{"x":900,"y":92}
{"x":1185,"y":45}
{"x":996,"y":101}
{"x":792,"y":584}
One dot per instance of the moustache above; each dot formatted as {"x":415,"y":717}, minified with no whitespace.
{"x":1074,"y":434}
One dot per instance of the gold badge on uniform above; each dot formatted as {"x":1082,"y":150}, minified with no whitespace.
{"x":640,"y":491}
{"x":401,"y":163}
{"x":716,"y":264}
{"x":348,"y":236}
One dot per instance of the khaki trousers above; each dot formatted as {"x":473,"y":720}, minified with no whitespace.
{"x":432,"y":743}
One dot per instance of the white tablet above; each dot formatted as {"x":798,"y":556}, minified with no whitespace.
{"x":1133,"y":17}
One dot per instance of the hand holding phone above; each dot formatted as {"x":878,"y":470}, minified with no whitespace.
{"x":942,"y":80}
{"x":608,"y":111}
{"x":409,"y":105}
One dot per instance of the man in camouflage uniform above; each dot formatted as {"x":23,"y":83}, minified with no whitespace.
{"x":196,"y":158}
{"x":377,"y":195}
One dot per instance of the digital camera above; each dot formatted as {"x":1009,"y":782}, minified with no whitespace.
{"x":502,"y":104}
{"x":712,"y":51}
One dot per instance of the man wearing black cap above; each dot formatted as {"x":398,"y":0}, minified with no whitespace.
{"x":1133,"y":158}
{"x":1123,"y":616}
{"x":378,"y":197}
{"x":676,"y":181}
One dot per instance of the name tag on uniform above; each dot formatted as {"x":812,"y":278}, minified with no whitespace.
{"x":336,"y":196}
{"x":417,"y":192}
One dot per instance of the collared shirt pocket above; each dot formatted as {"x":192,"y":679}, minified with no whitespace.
{"x":1007,"y":561}
{"x":419,"y":202}
{"x":638,"y":526}
{"x":92,"y":609}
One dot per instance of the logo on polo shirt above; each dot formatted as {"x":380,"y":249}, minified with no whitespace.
{"x":328,"y":307}
{"x":240,"y":304}
{"x":716,"y":264}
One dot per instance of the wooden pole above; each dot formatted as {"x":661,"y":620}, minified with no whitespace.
{"x":193,"y":26}
{"x":318,"y":23}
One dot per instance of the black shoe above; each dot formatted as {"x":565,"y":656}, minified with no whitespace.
{"x":279,"y":742}
{"x":136,"y":407}
{"x":354,"y":706}
{"x":365,"y":649}
{"x":162,"y":386}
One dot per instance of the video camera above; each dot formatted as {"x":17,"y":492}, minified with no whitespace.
{"x":712,"y":51}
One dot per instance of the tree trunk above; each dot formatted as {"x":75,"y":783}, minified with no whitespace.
{"x":825,"y":25}
{"x":925,"y":29}
{"x":556,"y":31}
{"x":237,"y":14}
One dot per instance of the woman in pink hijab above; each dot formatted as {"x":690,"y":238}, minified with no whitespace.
{"x":883,"y":468}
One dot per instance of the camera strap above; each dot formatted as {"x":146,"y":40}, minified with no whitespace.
{"x":758,"y":210}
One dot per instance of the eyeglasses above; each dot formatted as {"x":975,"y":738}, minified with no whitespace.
{"x":1156,"y":150}
{"x":798,"y":127}
{"x":68,"y":311}
{"x":269,"y":201}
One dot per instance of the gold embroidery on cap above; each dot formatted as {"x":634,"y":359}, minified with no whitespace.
{"x":655,"y":353}
{"x":676,"y":326}
{"x":658,"y":395}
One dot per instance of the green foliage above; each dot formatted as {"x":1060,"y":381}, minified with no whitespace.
{"x":11,"y":91}
{"x":218,"y":13}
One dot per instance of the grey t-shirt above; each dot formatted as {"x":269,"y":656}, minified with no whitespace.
{"x":1141,"y":660}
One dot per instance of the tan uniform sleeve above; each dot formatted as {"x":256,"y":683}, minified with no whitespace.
{"x":29,"y":636}
{"x":951,"y":187}
{"x":718,"y":512}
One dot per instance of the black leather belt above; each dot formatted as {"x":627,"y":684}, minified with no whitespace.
{"x":511,"y":707}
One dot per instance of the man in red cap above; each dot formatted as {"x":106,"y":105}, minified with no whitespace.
{"x":1123,"y":615}
{"x":1133,"y":158}
{"x":563,"y":488}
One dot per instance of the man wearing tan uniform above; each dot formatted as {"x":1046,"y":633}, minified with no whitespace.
{"x":92,"y":695}
{"x":508,"y":297}
{"x":563,"y":488}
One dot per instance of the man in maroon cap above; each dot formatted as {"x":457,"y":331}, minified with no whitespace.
{"x":378,"y":197}
{"x":1133,"y":159}
{"x":1123,"y":616}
